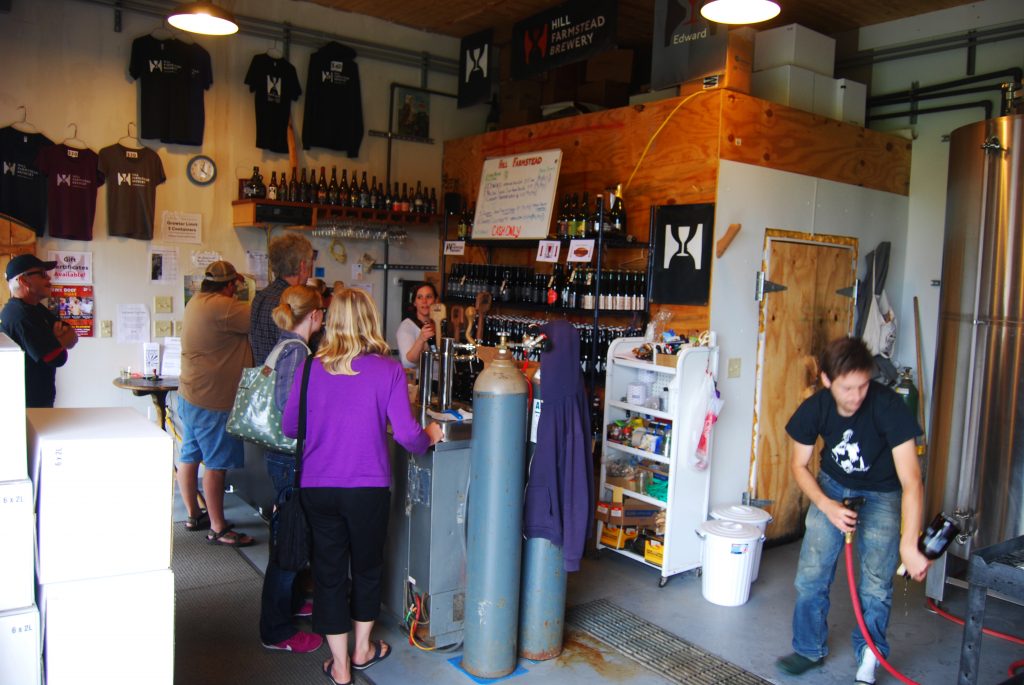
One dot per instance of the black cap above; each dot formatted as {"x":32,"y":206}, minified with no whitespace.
{"x":26,"y":262}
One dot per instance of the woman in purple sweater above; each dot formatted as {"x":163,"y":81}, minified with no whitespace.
{"x":355,"y":389}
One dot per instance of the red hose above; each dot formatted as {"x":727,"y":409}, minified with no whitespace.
{"x":855,"y":599}
{"x":1015,"y":666}
{"x":956,"y":619}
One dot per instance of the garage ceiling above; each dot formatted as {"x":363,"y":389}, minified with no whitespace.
{"x":460,"y":18}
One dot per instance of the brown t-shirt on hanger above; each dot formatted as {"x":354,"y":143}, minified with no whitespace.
{"x":133,"y":176}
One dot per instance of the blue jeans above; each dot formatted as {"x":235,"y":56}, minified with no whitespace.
{"x":278,"y":598}
{"x":877,"y":546}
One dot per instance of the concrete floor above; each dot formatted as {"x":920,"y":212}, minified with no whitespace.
{"x":925,"y":647}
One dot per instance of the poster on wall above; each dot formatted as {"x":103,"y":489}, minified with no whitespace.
{"x":474,"y":68}
{"x":413,"y":112}
{"x":682,"y":253}
{"x":74,"y":304}
{"x":73,"y":268}
{"x":568,"y":33}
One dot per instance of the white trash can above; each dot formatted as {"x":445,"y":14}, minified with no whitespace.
{"x":728,"y":561}
{"x":743,"y":513}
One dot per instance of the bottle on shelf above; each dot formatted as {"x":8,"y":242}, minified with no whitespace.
{"x":396,"y":200}
{"x":432,"y":204}
{"x":463,"y":226}
{"x":562,"y":223}
{"x":259,"y":188}
{"x":374,"y":194}
{"x":303,"y":188}
{"x":272,"y":188}
{"x":293,"y":186}
{"x":617,"y":213}
{"x":353,"y":191}
{"x":332,"y":188}
{"x":417,"y":200}
{"x":282,"y":186}
{"x":588,"y":290}
{"x":470,"y":218}
{"x":343,"y":198}
{"x":405,"y":204}
{"x":582,"y":216}
{"x":364,"y":193}
{"x":321,"y":188}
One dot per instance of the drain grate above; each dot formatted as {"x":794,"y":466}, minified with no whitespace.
{"x":654,"y":648}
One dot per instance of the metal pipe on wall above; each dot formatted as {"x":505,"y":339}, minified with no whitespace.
{"x":976,"y":468}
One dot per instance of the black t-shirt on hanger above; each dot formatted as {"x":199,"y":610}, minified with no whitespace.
{"x":275,"y":86}
{"x":334,"y":108}
{"x":22,"y":185}
{"x":174,"y":76}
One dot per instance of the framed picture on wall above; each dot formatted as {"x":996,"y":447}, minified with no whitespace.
{"x":413,"y":112}
{"x":683,"y":235}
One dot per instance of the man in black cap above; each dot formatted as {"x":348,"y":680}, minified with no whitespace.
{"x":43,"y":337}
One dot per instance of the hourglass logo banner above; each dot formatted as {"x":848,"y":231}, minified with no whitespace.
{"x":682,"y":253}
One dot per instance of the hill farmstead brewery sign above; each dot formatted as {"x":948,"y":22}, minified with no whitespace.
{"x":568,"y":33}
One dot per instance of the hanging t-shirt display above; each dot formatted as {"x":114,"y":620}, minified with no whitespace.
{"x":131,"y":192}
{"x":173,"y":77}
{"x":72,"y":177}
{"x":22,"y":186}
{"x":334,"y":108}
{"x":275,"y":85}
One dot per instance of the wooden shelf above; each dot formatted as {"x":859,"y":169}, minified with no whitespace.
{"x":260,"y":212}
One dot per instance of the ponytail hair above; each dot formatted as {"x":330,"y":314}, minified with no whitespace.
{"x":297,"y":302}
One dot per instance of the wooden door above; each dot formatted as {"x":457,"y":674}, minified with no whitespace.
{"x":796,"y":322}
{"x":15,"y":238}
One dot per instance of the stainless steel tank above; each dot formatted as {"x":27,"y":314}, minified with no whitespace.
{"x":975,"y":469}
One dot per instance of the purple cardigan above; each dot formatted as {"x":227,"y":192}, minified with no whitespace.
{"x":346,"y":424}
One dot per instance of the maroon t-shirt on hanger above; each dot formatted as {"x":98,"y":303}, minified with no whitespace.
{"x":72,"y":177}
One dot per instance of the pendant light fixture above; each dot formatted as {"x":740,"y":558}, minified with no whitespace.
{"x":739,"y":11}
{"x":203,"y":17}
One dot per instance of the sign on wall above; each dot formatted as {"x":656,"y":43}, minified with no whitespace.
{"x":475,"y":68}
{"x":517,"y":195}
{"x":682,"y":253}
{"x":564,"y":34}
{"x":685,"y":45}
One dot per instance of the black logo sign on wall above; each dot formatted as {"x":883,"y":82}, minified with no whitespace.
{"x":565,"y":34}
{"x":474,"y":68}
{"x":686,"y":46}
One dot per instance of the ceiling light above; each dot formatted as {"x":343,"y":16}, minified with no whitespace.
{"x":203,"y":17}
{"x":739,"y":11}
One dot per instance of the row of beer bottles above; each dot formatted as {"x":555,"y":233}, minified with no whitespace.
{"x":311,"y":190}
{"x":572,"y":288}
{"x":578,"y":219}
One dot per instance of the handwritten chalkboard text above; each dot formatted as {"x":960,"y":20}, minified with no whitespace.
{"x":505,"y":230}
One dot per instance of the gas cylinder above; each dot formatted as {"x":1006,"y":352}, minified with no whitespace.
{"x":906,"y":389}
{"x":494,"y":538}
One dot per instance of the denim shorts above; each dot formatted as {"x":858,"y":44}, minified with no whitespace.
{"x":203,"y":438}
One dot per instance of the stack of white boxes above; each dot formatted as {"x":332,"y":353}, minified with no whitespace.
{"x":20,"y":642}
{"x":104,"y":487}
{"x":794,"y":66}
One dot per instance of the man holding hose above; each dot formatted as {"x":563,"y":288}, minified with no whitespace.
{"x":869,"y":452}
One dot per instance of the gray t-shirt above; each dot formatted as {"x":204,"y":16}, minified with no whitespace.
{"x":132,"y":178}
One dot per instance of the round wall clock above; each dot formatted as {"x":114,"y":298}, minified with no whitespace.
{"x":201,"y":170}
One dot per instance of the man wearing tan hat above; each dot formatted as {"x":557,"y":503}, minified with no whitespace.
{"x":214,"y":350}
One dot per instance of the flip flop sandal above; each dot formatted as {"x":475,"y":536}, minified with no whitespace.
{"x":378,"y":655}
{"x":229,"y":538}
{"x":327,"y":672}
{"x":201,"y":522}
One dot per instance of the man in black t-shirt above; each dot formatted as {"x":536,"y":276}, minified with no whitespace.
{"x":869,"y":452}
{"x":44,"y":338}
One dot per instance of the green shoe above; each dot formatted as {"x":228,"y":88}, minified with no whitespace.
{"x":797,"y":664}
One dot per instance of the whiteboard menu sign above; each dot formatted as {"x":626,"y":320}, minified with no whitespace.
{"x":516,"y":196}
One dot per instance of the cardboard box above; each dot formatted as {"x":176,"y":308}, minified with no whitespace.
{"x":634,"y":513}
{"x":88,"y":465}
{"x":626,"y":482}
{"x":614,"y":536}
{"x":736,"y":68}
{"x":560,"y":83}
{"x":797,"y":46}
{"x":605,"y":93}
{"x":13,"y":454}
{"x":89,"y":640}
{"x":21,"y":647}
{"x":611,"y":65}
{"x":654,"y":551}
{"x":603,"y":512}
{"x":840,"y":99}
{"x":787,"y":85}
{"x":17,"y":535}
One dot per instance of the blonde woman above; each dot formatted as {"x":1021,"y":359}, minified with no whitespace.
{"x":298,"y":315}
{"x":355,"y":389}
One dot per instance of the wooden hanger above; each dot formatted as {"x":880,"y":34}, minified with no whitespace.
{"x":23,"y":124}
{"x":74,"y":141}
{"x":130,"y":141}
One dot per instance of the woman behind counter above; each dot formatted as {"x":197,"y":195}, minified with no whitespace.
{"x":299,"y":316}
{"x":414,"y":332}
{"x":355,"y":389}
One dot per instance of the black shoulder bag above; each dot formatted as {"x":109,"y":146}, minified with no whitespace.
{"x":292,"y":544}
